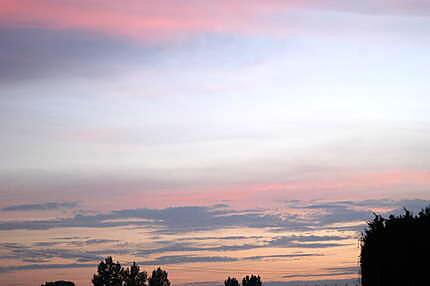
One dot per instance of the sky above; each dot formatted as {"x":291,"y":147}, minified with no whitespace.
{"x":212,"y":138}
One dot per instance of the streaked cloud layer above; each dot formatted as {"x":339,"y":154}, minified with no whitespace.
{"x":198,"y":134}
{"x":166,"y":20}
{"x":175,"y":237}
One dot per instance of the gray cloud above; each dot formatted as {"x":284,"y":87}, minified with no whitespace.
{"x":340,"y":213}
{"x":40,"y":255}
{"x":163,"y":260}
{"x":35,"y":53}
{"x":44,"y":266}
{"x":344,"y":270}
{"x":193,"y":218}
{"x":296,"y":255}
{"x":333,"y":271}
{"x":182,"y":247}
{"x":305,"y":241}
{"x":346,"y":211}
{"x":41,"y":52}
{"x":41,"y":207}
{"x":178,"y":259}
{"x":75,"y":242}
{"x":412,"y":204}
{"x":235,"y":237}
{"x":169,"y":220}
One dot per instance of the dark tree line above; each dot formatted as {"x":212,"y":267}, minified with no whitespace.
{"x":395,"y":251}
{"x":59,"y":283}
{"x":111,"y":273}
{"x":246,"y":281}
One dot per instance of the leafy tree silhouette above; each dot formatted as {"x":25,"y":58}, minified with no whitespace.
{"x":159,"y":278}
{"x":251,"y":281}
{"x":134,"y":277}
{"x":394,"y":250}
{"x":108,"y":273}
{"x":113,"y":274}
{"x":59,"y":283}
{"x":231,"y":282}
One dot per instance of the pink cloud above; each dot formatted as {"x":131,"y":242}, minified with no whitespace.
{"x":147,"y":20}
{"x":343,"y":185}
{"x":159,"y":20}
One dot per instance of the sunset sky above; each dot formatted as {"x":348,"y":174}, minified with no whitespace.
{"x":212,"y":138}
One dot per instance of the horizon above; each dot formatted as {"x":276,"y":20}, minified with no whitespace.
{"x":212,"y":138}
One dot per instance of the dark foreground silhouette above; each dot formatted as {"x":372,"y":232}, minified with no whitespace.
{"x":59,"y":283}
{"x":395,"y":251}
{"x":110,"y":273}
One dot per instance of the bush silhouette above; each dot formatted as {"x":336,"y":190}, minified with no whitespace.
{"x":113,"y":274}
{"x":246,"y":281}
{"x":59,"y":283}
{"x":159,"y":278}
{"x":108,"y":273}
{"x":251,"y":281}
{"x":395,"y":250}
{"x":134,"y":277}
{"x":231,"y":282}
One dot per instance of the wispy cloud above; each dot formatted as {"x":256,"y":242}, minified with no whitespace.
{"x":198,"y":218}
{"x":164,"y":20}
{"x":36,"y":266}
{"x":179,"y":241}
{"x":168,"y":220}
{"x":305,"y":241}
{"x":296,"y":255}
{"x":40,"y":255}
{"x":179,"y":259}
{"x":40,"y":207}
{"x":334,"y":271}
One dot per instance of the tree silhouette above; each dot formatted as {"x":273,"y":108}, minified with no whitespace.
{"x":134,"y":277}
{"x":393,"y":250}
{"x":159,"y":278}
{"x":231,"y":282}
{"x":108,"y":273}
{"x":251,"y":281}
{"x":113,"y":274}
{"x":59,"y":283}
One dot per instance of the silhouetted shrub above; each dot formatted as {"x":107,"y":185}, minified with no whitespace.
{"x":59,"y":283}
{"x":108,"y":273}
{"x":134,"y":277}
{"x":113,"y":274}
{"x":159,"y":278}
{"x":395,"y":251}
{"x":231,"y":282}
{"x":251,"y":281}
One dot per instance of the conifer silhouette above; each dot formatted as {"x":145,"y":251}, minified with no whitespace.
{"x":251,"y":281}
{"x":231,"y":282}
{"x":59,"y":283}
{"x":159,"y":278}
{"x":394,"y":250}
{"x":108,"y":273}
{"x":134,"y":277}
{"x":113,"y":274}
